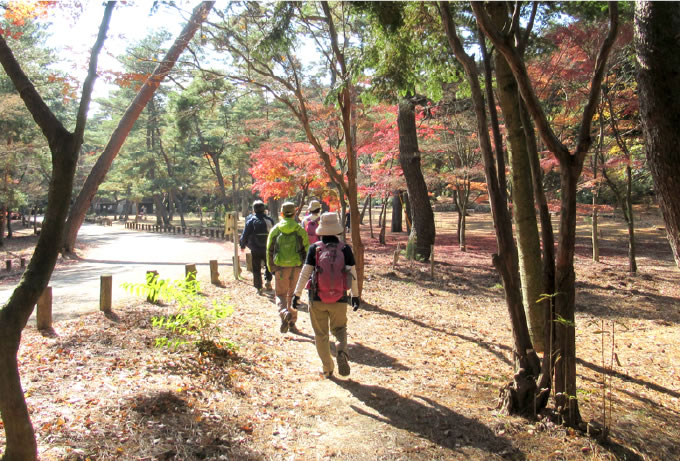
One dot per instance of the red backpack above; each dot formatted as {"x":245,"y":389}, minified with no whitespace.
{"x":330,"y":278}
{"x":310,"y":227}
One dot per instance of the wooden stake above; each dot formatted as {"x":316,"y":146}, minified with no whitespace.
{"x":8,"y":265}
{"x":190,"y":271}
{"x":44,"y":314}
{"x":396,"y":256}
{"x":23,"y":262}
{"x":214,"y":273}
{"x":105,"y":292}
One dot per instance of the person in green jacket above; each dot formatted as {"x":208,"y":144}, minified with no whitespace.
{"x":287,"y":246}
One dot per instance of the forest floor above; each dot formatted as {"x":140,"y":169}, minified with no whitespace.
{"x":428,"y":359}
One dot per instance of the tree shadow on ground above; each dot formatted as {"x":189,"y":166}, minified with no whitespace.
{"x":165,"y":426}
{"x":430,"y":420}
{"x":455,"y":281}
{"x":494,"y":348}
{"x":373,"y":358}
{"x":594,"y":298}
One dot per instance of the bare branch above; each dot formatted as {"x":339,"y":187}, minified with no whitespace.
{"x":81,"y":117}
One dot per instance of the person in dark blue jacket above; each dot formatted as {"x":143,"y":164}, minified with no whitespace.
{"x":254,"y":237}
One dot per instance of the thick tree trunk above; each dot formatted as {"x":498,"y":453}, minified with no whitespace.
{"x":101,"y":167}
{"x":409,"y":159}
{"x":524,"y":212}
{"x":657,"y":43}
{"x":396,"y":212}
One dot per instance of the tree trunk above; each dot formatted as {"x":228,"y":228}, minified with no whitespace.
{"x":524,"y":212}
{"x":370,"y":216}
{"x":657,"y":43}
{"x":64,"y":147}
{"x":363,"y":208}
{"x":632,"y":263}
{"x":101,"y":167}
{"x":406,"y":204}
{"x":396,"y":212}
{"x":383,"y":222}
{"x":565,"y":300}
{"x":520,"y":395}
{"x":409,"y":159}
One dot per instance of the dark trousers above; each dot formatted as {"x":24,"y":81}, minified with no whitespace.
{"x":259,"y":261}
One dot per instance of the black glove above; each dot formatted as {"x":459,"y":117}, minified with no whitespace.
{"x":296,"y":301}
{"x":355,"y":303}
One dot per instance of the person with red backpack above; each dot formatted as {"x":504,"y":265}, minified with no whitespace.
{"x":287,"y":246}
{"x":311,"y":221}
{"x":331,"y":266}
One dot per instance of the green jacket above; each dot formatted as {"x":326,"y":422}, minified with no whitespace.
{"x":286,"y":255}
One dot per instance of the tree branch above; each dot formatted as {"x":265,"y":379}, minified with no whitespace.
{"x":88,"y":85}
{"x":521,"y":75}
{"x":584,"y":138}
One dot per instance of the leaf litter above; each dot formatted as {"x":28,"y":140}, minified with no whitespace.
{"x":428,"y":359}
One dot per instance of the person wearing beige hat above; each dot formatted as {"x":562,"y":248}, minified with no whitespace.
{"x":287,"y":246}
{"x":311,"y":221}
{"x":331,"y":266}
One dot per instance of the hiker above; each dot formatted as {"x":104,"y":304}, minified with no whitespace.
{"x":311,"y":221}
{"x":286,"y":249}
{"x":254,"y":236}
{"x":330,"y":264}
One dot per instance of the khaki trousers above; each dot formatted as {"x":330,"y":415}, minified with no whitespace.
{"x":285,"y":279}
{"x":328,"y":317}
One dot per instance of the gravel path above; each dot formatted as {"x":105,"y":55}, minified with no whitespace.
{"x":127,"y":255}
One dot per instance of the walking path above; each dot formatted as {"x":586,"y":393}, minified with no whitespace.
{"x":126,"y":255}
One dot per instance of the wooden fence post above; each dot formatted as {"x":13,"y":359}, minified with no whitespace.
{"x":190,"y":271}
{"x":214,"y":273}
{"x":105,"y":293}
{"x":44,"y":314}
{"x":396,"y":256}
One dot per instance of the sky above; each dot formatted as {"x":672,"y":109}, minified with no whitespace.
{"x":75,"y":35}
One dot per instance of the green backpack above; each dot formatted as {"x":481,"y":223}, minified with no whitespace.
{"x":289,"y":249}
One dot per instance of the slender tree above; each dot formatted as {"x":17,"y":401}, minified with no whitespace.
{"x":101,"y":167}
{"x":65,"y":148}
{"x":571,"y":165}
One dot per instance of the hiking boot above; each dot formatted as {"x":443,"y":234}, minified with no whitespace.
{"x":327,"y":374}
{"x":259,"y":292}
{"x":292,"y":328}
{"x":343,"y":363}
{"x":268,"y":286}
{"x":285,"y":323}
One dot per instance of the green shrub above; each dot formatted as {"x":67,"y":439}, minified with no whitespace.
{"x":196,"y":320}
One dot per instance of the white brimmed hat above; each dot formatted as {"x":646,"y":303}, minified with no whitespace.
{"x":329,"y":225}
{"x":314,"y":206}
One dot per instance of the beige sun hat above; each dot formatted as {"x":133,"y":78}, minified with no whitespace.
{"x":288,"y":209}
{"x":314,"y":206}
{"x":329,"y":225}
